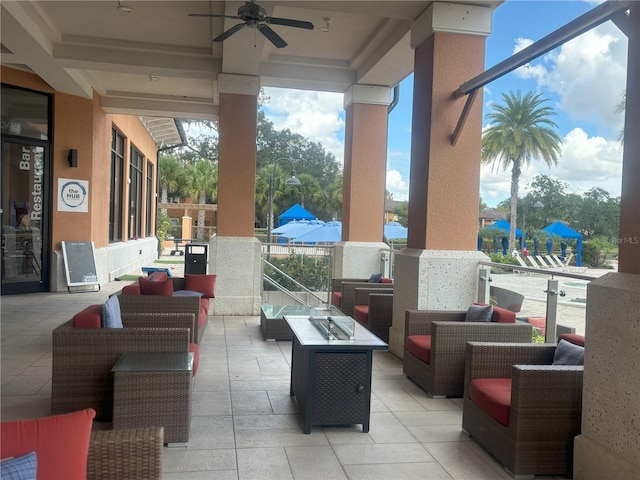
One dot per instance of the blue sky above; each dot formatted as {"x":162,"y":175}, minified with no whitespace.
{"x":583,"y":81}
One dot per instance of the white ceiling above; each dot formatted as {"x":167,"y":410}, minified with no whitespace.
{"x":158,"y":62}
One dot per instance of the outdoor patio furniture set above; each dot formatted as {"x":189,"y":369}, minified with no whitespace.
{"x":522,"y":402}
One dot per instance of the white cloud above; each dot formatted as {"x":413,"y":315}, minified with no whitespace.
{"x":315,"y":115}
{"x":585,"y":162}
{"x":588,"y":73}
{"x":397,"y":185}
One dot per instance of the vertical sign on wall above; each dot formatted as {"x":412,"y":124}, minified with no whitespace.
{"x":73,"y":195}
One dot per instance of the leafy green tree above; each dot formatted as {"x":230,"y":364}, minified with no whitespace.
{"x":201,"y":183}
{"x":599,"y":214}
{"x":521,"y":130}
{"x":170,"y":178}
{"x":402,"y":211}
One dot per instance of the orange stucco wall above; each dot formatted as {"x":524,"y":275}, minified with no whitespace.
{"x":364,"y":173}
{"x":237,"y":164}
{"x":81,"y":124}
{"x":445,"y":179}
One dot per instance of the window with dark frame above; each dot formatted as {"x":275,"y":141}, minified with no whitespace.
{"x":117,"y":186}
{"x":150,"y":192}
{"x":135,"y":193}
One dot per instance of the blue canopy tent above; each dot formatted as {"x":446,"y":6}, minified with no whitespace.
{"x":505,"y":227}
{"x":561,"y":230}
{"x":395,"y":231}
{"x":296,"y":212}
{"x":330,"y":232}
{"x":296,"y":228}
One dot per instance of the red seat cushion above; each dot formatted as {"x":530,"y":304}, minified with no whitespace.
{"x":361,"y":314}
{"x":195,"y":349}
{"x":493,"y":395}
{"x":148,"y":286}
{"x":386,"y":280}
{"x":203,"y":283}
{"x":572,"y":338}
{"x":420,"y":347}
{"x":336,"y":298}
{"x":61,"y":443}
{"x":205,"y":303}
{"x":502,"y":315}
{"x":90,"y":317}
{"x":202,"y":318}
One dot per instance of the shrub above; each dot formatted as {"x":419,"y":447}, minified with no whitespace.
{"x":312,"y":272}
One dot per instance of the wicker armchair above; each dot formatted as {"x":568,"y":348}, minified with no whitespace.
{"x":506,"y":298}
{"x":128,"y":453}
{"x":374,"y":309}
{"x":443,"y":376}
{"x":82,"y":358}
{"x":544,"y":413}
{"x":133,"y":304}
{"x":348,"y":301}
{"x":336,"y":289}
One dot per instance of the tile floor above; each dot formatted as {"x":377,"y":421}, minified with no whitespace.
{"x":245,"y":425}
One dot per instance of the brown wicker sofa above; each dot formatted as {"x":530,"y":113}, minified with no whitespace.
{"x":443,"y":375}
{"x":374,"y":310}
{"x":82,"y":358}
{"x":348,"y":298}
{"x":544,"y":407}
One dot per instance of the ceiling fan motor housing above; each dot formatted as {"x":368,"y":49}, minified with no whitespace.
{"x":251,"y":11}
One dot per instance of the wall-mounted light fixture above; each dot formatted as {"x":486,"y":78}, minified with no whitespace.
{"x":73,"y":158}
{"x":124,"y":8}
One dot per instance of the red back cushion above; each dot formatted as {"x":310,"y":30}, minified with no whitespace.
{"x":420,"y":346}
{"x":61,"y":443}
{"x":149,"y":286}
{"x":133,"y":289}
{"x":386,"y":280}
{"x":195,"y":349}
{"x":90,"y":317}
{"x":493,"y":395}
{"x":572,"y":338}
{"x":200,"y":283}
{"x":502,"y":315}
{"x":336,"y":298}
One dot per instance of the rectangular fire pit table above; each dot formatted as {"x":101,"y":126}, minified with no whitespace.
{"x":153,"y":389}
{"x":331,"y":379}
{"x":272,"y":319}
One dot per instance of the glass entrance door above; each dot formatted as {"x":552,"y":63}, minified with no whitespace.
{"x":25,"y":210}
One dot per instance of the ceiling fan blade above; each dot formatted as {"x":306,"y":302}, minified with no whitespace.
{"x":272,"y":36}
{"x":223,"y":36}
{"x":287,"y":22}
{"x":212,"y":15}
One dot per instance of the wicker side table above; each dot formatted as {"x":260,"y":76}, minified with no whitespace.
{"x":154,"y":390}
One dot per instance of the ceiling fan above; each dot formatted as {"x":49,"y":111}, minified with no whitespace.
{"x":253,"y":15}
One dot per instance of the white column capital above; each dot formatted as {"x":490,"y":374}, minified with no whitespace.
{"x":238,"y":84}
{"x":371,"y":94}
{"x":453,"y":18}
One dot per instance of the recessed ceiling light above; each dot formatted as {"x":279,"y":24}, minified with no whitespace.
{"x":124,"y":8}
{"x":327,"y":25}
{"x":153,"y":78}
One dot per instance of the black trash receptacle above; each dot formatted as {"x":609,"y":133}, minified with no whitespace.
{"x":195,"y":258}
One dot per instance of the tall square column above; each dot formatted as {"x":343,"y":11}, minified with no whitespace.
{"x":234,"y":254}
{"x":438,"y":270}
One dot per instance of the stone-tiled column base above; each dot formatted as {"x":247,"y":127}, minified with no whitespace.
{"x":431,"y":280}
{"x":608,"y":446}
{"x":357,"y":259}
{"x":236,"y":262}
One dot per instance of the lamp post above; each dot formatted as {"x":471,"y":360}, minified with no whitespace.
{"x":538,"y":204}
{"x":292,"y":181}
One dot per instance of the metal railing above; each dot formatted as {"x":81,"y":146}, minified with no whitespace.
{"x":541,"y":288}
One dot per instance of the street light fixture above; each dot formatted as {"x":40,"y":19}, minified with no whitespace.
{"x":291,"y":181}
{"x":538,"y":204}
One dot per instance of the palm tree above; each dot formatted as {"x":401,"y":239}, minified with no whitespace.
{"x":201,"y":179}
{"x":170,"y":173}
{"x":520,"y":131}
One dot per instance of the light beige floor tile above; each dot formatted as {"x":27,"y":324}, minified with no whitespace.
{"x":461,"y":461}
{"x":399,"y":471}
{"x":209,"y":432}
{"x":438,"y":433}
{"x":282,"y":402}
{"x":381,"y":453}
{"x":309,"y":463}
{"x":386,"y":428}
{"x":193,"y":460}
{"x":263,"y":464}
{"x":445,"y":417}
{"x":398,"y":400}
{"x":279,"y":438}
{"x":262,"y":422}
{"x":250,"y":402}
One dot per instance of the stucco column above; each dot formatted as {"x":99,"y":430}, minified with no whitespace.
{"x":365,"y":162}
{"x":608,"y":446}
{"x":439,"y":268}
{"x":235,"y":252}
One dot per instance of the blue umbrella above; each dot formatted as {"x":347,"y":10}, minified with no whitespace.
{"x":395,"y":231}
{"x":330,"y":232}
{"x":300,"y":228}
